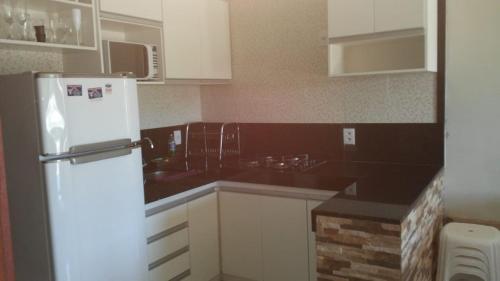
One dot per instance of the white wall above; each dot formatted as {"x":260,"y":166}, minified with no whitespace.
{"x":472,"y":180}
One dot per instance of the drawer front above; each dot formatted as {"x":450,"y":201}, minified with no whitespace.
{"x":167,"y":245}
{"x":166,"y":219}
{"x":171,"y":270}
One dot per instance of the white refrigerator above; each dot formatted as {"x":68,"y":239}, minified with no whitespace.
{"x":74,"y":177}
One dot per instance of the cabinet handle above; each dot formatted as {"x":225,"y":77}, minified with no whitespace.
{"x":167,"y":232}
{"x":181,"y":276}
{"x":168,"y":258}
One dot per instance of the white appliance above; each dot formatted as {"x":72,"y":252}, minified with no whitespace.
{"x":74,"y":177}
{"x":140,"y":59}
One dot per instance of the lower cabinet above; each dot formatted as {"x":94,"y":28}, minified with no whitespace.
{"x":168,"y":244}
{"x":239,"y":235}
{"x":284,"y":239}
{"x":203,"y":217}
{"x":264,"y":238}
{"x":241,"y":241}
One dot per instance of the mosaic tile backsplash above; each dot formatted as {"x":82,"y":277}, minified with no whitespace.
{"x":279,"y":56}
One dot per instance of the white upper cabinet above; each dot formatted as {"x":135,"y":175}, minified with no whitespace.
{"x":398,"y":14}
{"x":358,"y":17}
{"x":215,"y":40}
{"x":181,"y":26}
{"x":382,"y":36}
{"x":197,"y":39}
{"x":146,"y":9}
{"x":350,"y":17}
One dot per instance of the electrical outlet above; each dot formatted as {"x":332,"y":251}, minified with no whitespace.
{"x":177,"y":137}
{"x":349,"y":136}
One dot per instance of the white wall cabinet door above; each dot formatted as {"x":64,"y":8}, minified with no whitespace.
{"x":241,"y":244}
{"x":350,"y":17}
{"x":284,"y":239}
{"x":313,"y":275}
{"x":197,"y":39}
{"x":181,"y":27}
{"x":215,"y":40}
{"x":147,"y":9}
{"x":393,"y":15}
{"x":204,"y":238}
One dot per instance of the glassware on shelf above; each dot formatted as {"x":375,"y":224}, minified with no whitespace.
{"x":4,"y":27}
{"x":52,"y":30}
{"x":77,"y":23}
{"x":28,"y":30}
{"x":23,"y":18}
{"x":67,"y":32}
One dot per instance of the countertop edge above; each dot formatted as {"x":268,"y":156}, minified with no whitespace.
{"x":240,"y":187}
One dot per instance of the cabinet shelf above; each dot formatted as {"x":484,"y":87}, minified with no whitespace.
{"x":46,"y":45}
{"x":73,"y":3}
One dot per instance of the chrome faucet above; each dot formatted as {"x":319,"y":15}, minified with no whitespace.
{"x":151,"y":144}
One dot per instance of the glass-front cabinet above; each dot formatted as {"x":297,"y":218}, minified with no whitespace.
{"x":66,"y":24}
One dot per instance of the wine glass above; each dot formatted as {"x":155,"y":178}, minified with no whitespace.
{"x":77,"y":23}
{"x":15,"y":16}
{"x":8,"y":18}
{"x":23,"y":20}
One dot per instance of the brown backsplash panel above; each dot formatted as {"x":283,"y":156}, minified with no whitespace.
{"x":160,"y":137}
{"x":388,"y":143}
{"x":319,"y":140}
{"x":397,"y":143}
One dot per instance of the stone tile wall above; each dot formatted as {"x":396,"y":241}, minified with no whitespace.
{"x":420,"y":234}
{"x":362,"y":250}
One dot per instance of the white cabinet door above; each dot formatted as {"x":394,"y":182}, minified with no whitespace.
{"x":181,"y":26}
{"x":350,"y":17}
{"x":311,"y":204}
{"x":398,"y":14}
{"x":147,"y":9}
{"x":241,"y":244}
{"x":284,"y":239}
{"x":215,"y":40}
{"x":197,"y":39}
{"x":204,"y":237}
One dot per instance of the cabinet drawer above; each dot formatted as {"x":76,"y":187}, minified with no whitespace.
{"x":167,"y":245}
{"x":167,"y":219}
{"x":171,"y":269}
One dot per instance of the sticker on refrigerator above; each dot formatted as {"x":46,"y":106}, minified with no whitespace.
{"x":108,"y":89}
{"x":74,"y":90}
{"x":95,"y":93}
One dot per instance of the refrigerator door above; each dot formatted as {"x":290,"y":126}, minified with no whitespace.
{"x":83,"y":111}
{"x":97,"y":220}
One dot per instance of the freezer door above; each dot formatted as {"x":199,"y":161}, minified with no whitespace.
{"x":97,"y":220}
{"x":80,"y":111}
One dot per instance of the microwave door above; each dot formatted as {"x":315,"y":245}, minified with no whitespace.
{"x":126,"y":57}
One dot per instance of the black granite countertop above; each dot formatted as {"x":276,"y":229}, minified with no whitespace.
{"x":383,"y":192}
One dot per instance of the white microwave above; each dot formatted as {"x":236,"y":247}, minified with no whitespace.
{"x":140,"y":59}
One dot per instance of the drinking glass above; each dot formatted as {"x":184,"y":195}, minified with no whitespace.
{"x":77,"y":23}
{"x":7,"y":15}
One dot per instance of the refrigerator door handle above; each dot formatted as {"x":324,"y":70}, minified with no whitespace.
{"x":86,"y":153}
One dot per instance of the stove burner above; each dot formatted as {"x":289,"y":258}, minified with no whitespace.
{"x":283,"y":163}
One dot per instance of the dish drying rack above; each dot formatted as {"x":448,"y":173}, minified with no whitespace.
{"x":209,"y":143}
